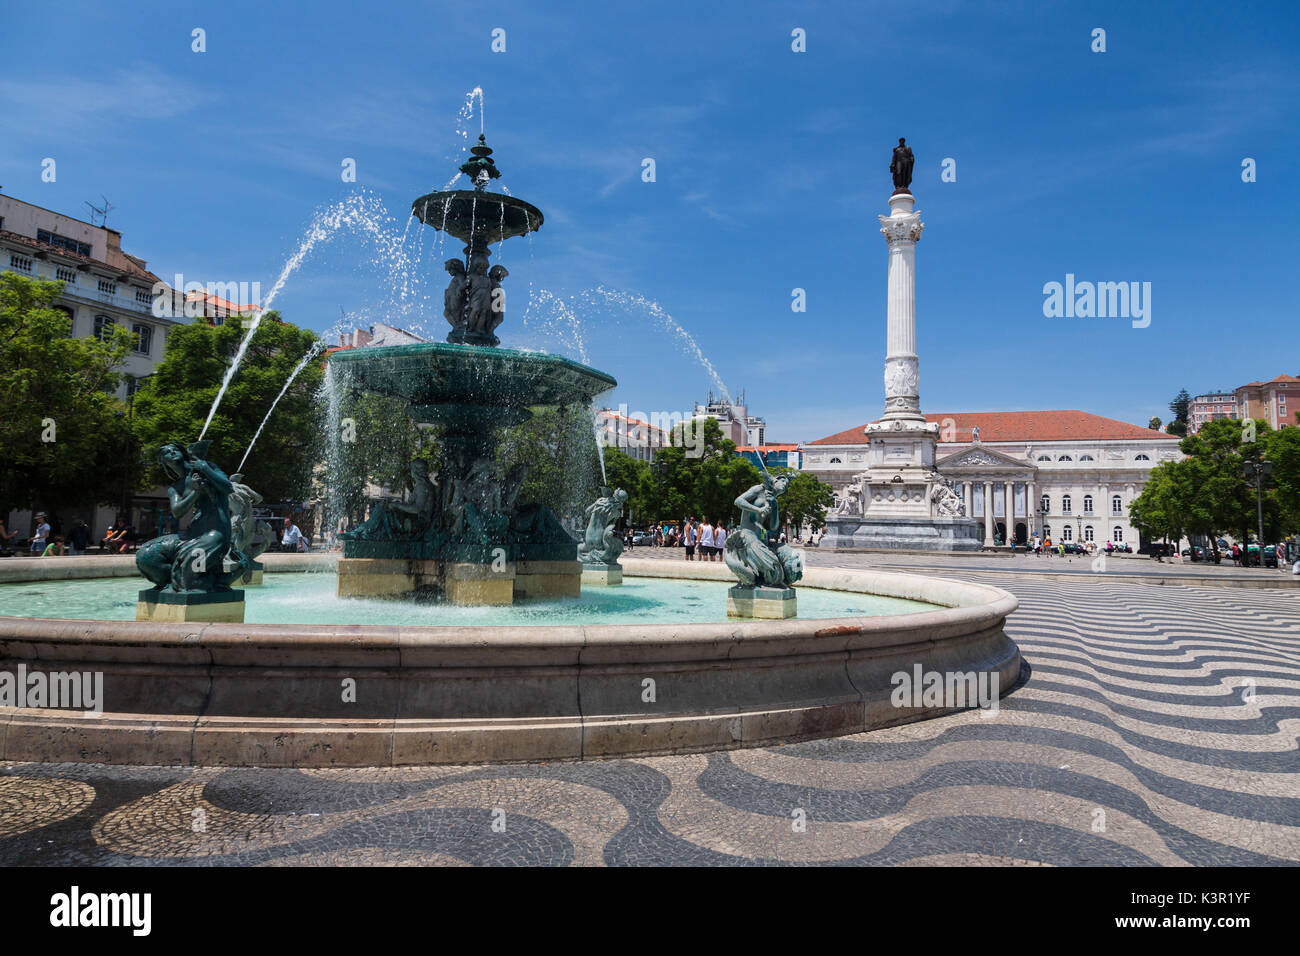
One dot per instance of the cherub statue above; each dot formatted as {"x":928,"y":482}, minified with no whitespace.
{"x":479,"y":313}
{"x":496,"y":274}
{"x":454,"y":299}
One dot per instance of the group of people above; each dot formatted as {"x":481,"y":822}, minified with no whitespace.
{"x":44,"y":542}
{"x":121,"y":538}
{"x":709,"y":538}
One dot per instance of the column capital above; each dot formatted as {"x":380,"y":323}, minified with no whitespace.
{"x":905,"y":227}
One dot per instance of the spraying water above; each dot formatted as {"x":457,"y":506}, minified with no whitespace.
{"x":311,"y":353}
{"x":361,"y":211}
{"x":656,"y":311}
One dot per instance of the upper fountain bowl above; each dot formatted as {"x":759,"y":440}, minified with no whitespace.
{"x":477,"y":217}
{"x":436,"y":374}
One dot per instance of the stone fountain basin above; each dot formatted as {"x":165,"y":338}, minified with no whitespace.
{"x":272,"y":695}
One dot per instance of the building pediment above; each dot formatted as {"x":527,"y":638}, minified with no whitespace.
{"x":980,"y":458}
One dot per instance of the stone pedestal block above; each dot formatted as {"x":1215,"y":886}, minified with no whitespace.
{"x":383,"y":577}
{"x":478,"y":584}
{"x":765,"y":603}
{"x":223,"y":607}
{"x":602,"y":575}
{"x":547,"y":580}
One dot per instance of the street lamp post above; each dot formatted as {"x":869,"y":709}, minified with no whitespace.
{"x":1259,"y":471}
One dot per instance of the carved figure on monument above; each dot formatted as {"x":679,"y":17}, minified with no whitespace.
{"x":901,"y":378}
{"x":194,"y":559}
{"x":602,"y":544}
{"x":901,"y":166}
{"x":750,"y":551}
{"x":947,"y":503}
{"x":403,"y":520}
{"x":497,"y":301}
{"x":975,"y":434}
{"x":851,"y":498}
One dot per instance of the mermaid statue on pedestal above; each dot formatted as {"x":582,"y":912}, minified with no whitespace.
{"x":196,"y":558}
{"x":750,"y":551}
{"x":602,"y":544}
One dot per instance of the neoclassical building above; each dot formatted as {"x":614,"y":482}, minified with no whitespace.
{"x":1069,"y":475}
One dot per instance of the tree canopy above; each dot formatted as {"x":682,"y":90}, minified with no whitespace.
{"x":64,"y":438}
{"x":173,"y":402}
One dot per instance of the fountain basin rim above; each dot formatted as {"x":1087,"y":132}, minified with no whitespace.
{"x":268,"y":695}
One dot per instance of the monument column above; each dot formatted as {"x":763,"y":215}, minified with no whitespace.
{"x":902,"y":231}
{"x":988,"y":514}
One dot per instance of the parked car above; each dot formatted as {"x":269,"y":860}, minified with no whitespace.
{"x":1074,"y":547}
{"x":642,"y":538}
{"x":1270,"y":555}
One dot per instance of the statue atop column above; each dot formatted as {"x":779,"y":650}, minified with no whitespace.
{"x":901,"y":166}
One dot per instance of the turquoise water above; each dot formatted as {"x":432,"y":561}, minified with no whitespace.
{"x":310,"y":599}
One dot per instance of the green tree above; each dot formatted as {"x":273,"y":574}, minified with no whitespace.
{"x":805,"y":501}
{"x":64,"y":438}
{"x":173,"y":403}
{"x":1179,"y":406}
{"x":559,"y":448}
{"x":1154,"y":424}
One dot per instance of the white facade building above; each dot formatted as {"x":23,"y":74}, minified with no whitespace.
{"x":1067,"y":475}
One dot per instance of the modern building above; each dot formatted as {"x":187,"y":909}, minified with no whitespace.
{"x":734,"y":420}
{"x":1069,"y":475}
{"x":778,"y":455}
{"x":1269,"y":400}
{"x":1210,"y":407}
{"x":103,"y":285}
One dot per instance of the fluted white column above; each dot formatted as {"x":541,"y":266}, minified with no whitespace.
{"x":1009,"y":489}
{"x":902,"y":230}
{"x":970,"y":498}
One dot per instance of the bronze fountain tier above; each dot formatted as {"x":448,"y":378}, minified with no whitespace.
{"x":464,"y":534}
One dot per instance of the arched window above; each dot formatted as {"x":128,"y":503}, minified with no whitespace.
{"x":1065,"y":506}
{"x":1117,"y":534}
{"x":1116,"y":505}
{"x":1067,"y":533}
{"x":1046,"y":503}
{"x":1087,"y":506}
{"x":1086,"y":458}
{"x":103,"y":326}
{"x":1044,"y":457}
{"x":1065,"y":458}
{"x":836,"y":461}
{"x":1142,"y":458}
{"x":1087,"y":533}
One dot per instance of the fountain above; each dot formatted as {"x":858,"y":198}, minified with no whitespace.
{"x":513,"y":660}
{"x":467,"y":538}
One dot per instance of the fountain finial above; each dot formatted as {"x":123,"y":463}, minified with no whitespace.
{"x":481,"y":168}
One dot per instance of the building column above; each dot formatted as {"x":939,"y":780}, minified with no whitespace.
{"x":1031,"y":507}
{"x":967,"y":489}
{"x":988,"y":514}
{"x":1010,"y":491}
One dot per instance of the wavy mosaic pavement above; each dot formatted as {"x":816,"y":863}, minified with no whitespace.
{"x":1152,"y":726}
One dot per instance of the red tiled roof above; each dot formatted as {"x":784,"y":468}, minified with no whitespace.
{"x":137,"y":269}
{"x":1068,"y":425}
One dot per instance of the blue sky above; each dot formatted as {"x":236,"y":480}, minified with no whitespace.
{"x":771,"y":168}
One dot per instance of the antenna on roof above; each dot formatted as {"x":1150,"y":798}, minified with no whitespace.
{"x":101,"y":212}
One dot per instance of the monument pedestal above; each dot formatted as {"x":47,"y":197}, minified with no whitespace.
{"x":458,"y":582}
{"x":602,"y":575}
{"x":772,"y":604}
{"x":209,"y":607}
{"x":478,"y":584}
